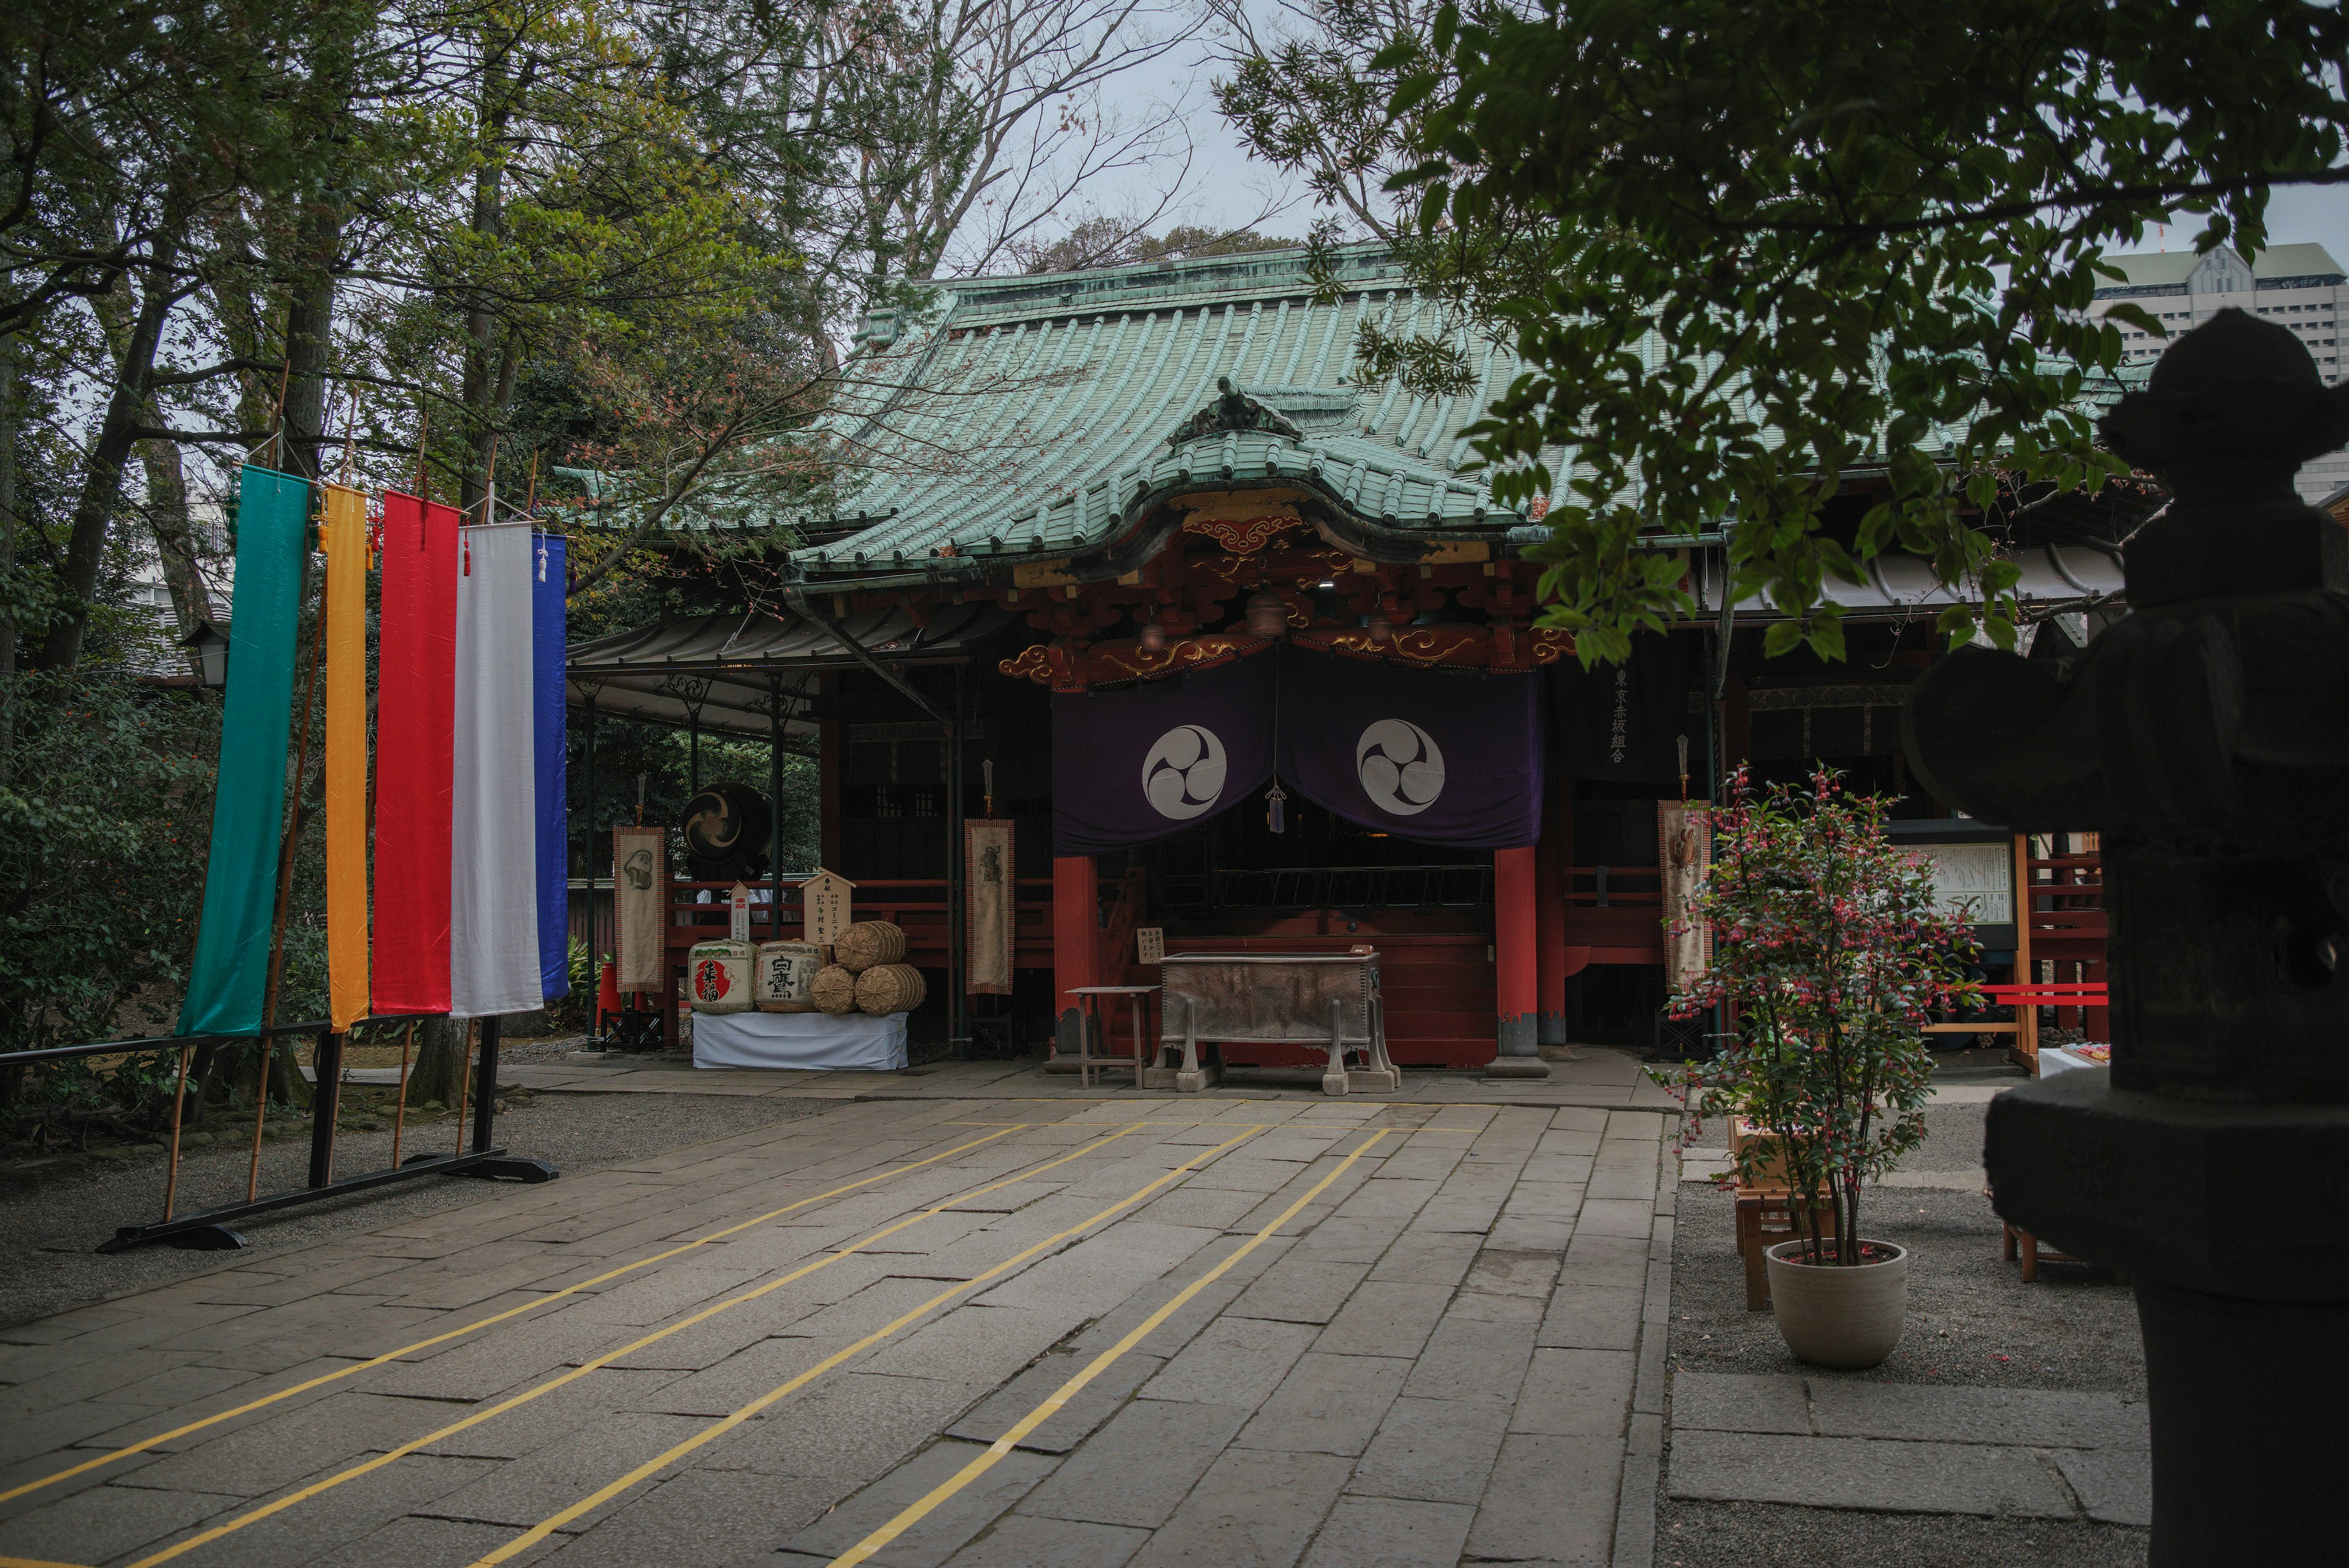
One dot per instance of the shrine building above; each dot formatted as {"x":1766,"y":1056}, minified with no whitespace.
{"x":1246,"y":657}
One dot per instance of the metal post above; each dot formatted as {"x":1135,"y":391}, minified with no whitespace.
{"x":957,"y":1005}
{"x":588,"y":789}
{"x":326,"y":1104}
{"x":485,"y":1087}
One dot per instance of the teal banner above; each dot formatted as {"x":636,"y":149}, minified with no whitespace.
{"x":230,"y":968}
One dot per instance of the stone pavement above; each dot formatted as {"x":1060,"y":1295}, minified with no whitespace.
{"x":1594,"y":1076}
{"x":1891,"y":1448}
{"x":913,"y":1331}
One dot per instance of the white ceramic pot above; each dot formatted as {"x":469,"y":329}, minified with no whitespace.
{"x":1834,"y":1316}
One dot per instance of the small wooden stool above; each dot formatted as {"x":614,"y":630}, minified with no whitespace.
{"x":1765,"y":1217}
{"x":1088,"y":1058}
{"x":2019,"y":1240}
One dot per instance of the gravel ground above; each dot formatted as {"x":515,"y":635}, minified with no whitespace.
{"x":51,"y":1220}
{"x":1971,"y":1319}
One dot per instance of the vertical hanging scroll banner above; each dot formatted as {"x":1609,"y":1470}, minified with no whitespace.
{"x":639,"y":899}
{"x":415,"y":722}
{"x":1442,"y":756}
{"x":1684,"y":852}
{"x":547,"y":578}
{"x":346,"y":755}
{"x":1139,"y":763}
{"x":231,"y":967}
{"x":493,"y":959}
{"x":988,"y":868}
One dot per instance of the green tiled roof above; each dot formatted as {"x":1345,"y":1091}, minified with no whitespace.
{"x":1025,"y":416}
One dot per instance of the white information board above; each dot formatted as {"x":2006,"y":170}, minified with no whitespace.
{"x":1976,"y":877}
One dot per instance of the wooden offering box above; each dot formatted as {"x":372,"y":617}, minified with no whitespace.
{"x":1287,"y":999}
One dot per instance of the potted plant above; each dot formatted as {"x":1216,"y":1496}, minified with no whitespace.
{"x":1831,"y":955}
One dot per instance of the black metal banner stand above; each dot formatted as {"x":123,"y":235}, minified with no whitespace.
{"x":210,"y":1231}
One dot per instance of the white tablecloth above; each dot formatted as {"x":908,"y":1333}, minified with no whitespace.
{"x":815,"y":1042}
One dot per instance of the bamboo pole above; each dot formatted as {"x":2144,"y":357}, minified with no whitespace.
{"x":179,"y":1100}
{"x":465,"y":1081}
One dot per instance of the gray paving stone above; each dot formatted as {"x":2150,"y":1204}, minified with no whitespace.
{"x":255,"y":1459}
{"x":1385,"y":1318}
{"x":2114,"y":1486}
{"x":734,"y":1382}
{"x":1023,"y":1541}
{"x":974,"y":1343}
{"x":1253,"y":1508}
{"x":943,"y":1532}
{"x":1094,"y":1404}
{"x":1616,"y":1217}
{"x":1439,"y":1451}
{"x":2022,"y":1417}
{"x":1575,"y":1394}
{"x":1328,"y":1404}
{"x":1427,"y":1257}
{"x":502,"y":1359}
{"x":524,"y":1490}
{"x":1139,"y":1467}
{"x":1503,"y":1272}
{"x":1233,"y":1361}
{"x":1388,"y":1197}
{"x":90,"y":1380}
{"x":1583,"y":1317}
{"x":1471,"y":1358}
{"x":850,"y":1426}
{"x":414,"y":1540}
{"x":58,"y":1431}
{"x":1599,"y":1259}
{"x":549,"y":1418}
{"x":1522,"y":1234}
{"x":1208,"y":1208}
{"x":1550,"y":1499}
{"x":1865,"y":1473}
{"x":1391,"y":1533}
{"x":1573,"y":1169}
{"x":354,"y":1509}
{"x":1740,"y":1402}
{"x":107,"y":1521}
{"x":1350,"y":1241}
{"x":1572,"y":1142}
{"x":1625,"y":1182}
{"x":1300,"y":1289}
{"x":1102,"y":1271}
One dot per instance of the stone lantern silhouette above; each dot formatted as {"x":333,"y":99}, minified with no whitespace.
{"x":2207,"y":737}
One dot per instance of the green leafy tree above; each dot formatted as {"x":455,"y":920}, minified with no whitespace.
{"x":1748,"y":252}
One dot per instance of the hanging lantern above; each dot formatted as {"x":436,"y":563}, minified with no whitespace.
{"x":1267,"y":614}
{"x":1276,"y":801}
{"x":1152,"y":637}
{"x":1378,"y":624}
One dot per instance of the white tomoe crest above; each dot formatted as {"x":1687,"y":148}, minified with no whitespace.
{"x":1183,"y":776}
{"x":1400,"y":766}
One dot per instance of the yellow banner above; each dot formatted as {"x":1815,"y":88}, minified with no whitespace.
{"x":346,"y":537}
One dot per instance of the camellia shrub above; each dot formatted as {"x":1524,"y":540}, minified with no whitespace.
{"x":1831,"y":955}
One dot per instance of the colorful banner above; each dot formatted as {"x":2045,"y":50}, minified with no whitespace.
{"x":493,"y":960}
{"x":230,"y":970}
{"x":548,"y":557}
{"x":990,"y":906}
{"x":639,"y":893}
{"x":1147,"y":761}
{"x":346,"y":610}
{"x":1442,"y":756}
{"x":415,"y":725}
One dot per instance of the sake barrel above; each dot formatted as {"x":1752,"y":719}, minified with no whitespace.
{"x":833,"y":989}
{"x":868,"y":942}
{"x":890,"y":988}
{"x":783,"y":975}
{"x":717,"y":976}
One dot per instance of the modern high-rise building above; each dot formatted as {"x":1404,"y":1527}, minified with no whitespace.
{"x":2297,"y":286}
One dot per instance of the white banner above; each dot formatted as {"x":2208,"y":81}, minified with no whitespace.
{"x":1684,"y":854}
{"x":990,"y":895}
{"x":493,"y":862}
{"x":639,"y":891}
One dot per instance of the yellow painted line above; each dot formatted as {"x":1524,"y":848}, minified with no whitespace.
{"x":373,"y":1361}
{"x":598,"y":1363}
{"x":916,"y":1511}
{"x":35,"y":1563}
{"x":652,"y":1466}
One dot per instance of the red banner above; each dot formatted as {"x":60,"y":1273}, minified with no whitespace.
{"x":415,"y":729}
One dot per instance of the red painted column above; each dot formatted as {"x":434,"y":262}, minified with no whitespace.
{"x":1557,"y":849}
{"x":1515,"y":941}
{"x":1076,"y":942}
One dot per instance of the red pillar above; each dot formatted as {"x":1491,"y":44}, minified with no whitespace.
{"x":1557,"y":851}
{"x":1076,"y":942}
{"x":1516,"y":977}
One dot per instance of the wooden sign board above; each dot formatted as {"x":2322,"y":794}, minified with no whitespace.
{"x":1150,"y":944}
{"x":829,"y":900}
{"x":739,"y":913}
{"x":1972,"y":865}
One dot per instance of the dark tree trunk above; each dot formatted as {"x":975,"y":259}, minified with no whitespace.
{"x":440,"y":1062}
{"x":309,"y":343}
{"x":102,"y":491}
